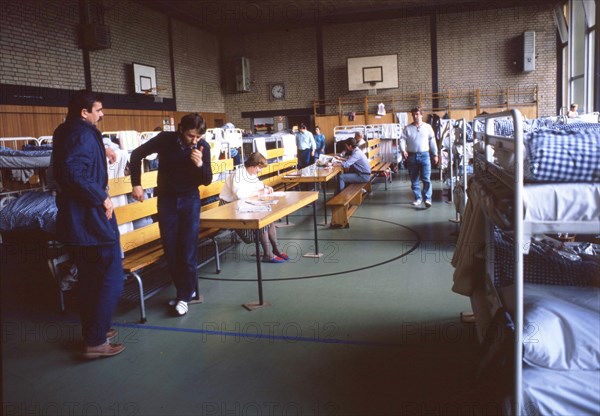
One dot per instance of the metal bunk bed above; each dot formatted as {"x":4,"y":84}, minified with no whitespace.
{"x":504,"y":160}
{"x":341,"y":133}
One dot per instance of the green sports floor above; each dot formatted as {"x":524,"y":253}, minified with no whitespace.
{"x":370,"y":328}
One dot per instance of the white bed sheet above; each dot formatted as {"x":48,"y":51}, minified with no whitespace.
{"x":550,"y":392}
{"x":563,"y":202}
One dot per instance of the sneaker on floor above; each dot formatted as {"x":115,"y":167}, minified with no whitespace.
{"x":427,"y":204}
{"x":417,"y":203}
{"x":193,"y":300}
{"x":283,"y":256}
{"x":181,"y":308}
{"x":275,"y":259}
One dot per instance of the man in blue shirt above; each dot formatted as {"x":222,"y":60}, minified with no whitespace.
{"x":305,"y":142}
{"x":357,"y":168}
{"x":320,"y":141}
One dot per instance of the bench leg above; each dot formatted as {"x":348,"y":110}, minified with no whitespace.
{"x":142,"y":300}
{"x":217,"y":255}
{"x":339,"y":216}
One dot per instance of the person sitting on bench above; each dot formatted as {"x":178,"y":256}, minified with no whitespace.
{"x":356,"y":167}
{"x":244,"y":183}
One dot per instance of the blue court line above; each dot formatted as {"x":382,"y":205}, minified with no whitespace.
{"x":251,"y":336}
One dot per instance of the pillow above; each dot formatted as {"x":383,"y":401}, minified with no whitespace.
{"x":563,"y":155}
{"x":561,"y":327}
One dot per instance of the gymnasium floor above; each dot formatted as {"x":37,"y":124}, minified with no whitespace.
{"x":370,"y":328}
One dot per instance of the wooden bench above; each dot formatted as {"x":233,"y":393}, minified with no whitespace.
{"x":378,"y":166}
{"x":142,"y":247}
{"x":273,"y":174}
{"x":344,"y":204}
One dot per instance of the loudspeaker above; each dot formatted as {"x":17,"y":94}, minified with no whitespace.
{"x":528,"y":51}
{"x":94,"y":37}
{"x":242,"y":74}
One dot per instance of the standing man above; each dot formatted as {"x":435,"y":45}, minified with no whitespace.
{"x":184,"y":166}
{"x":417,"y":144}
{"x":306,"y":144}
{"x":320,"y":142}
{"x":86,"y":223}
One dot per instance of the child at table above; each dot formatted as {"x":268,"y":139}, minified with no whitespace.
{"x":244,"y":183}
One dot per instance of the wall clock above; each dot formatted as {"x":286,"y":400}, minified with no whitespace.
{"x":278,"y":91}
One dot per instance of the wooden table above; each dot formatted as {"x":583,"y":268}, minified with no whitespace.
{"x":229,"y":217}
{"x":314,"y":174}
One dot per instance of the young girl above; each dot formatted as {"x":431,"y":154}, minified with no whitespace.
{"x":244,"y":183}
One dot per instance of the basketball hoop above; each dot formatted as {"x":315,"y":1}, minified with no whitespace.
{"x":153,"y":90}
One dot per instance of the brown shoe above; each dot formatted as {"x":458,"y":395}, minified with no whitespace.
{"x":104,"y":350}
{"x":111,"y":334}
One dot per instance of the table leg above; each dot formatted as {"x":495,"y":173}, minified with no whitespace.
{"x":287,"y":217}
{"x":261,"y":303}
{"x":325,"y":201}
{"x":316,"y":253}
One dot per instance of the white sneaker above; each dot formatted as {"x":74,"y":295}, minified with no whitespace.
{"x":427,"y":204}
{"x":193,"y":300}
{"x":417,"y":203}
{"x":181,"y":308}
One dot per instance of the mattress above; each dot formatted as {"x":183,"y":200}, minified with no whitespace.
{"x":561,"y":372}
{"x":24,"y":159}
{"x":32,"y":210}
{"x":550,"y":392}
{"x":563,"y":202}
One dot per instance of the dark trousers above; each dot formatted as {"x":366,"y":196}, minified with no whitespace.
{"x":179,"y":222}
{"x":100,"y":285}
{"x":304,"y":158}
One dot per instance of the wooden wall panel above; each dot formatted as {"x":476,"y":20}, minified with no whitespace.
{"x":18,"y":121}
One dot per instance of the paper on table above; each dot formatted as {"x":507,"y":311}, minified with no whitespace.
{"x":253,"y":208}
{"x":262,"y":200}
{"x":279,"y":193}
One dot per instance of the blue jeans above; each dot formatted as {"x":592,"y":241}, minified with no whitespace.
{"x":345,"y":178}
{"x":101,"y":279}
{"x":179,"y":222}
{"x":419,"y":169}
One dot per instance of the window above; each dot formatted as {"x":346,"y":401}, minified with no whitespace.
{"x":580,"y":68}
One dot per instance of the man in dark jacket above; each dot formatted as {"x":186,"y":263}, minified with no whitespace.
{"x":184,"y":165}
{"x":86,"y":223}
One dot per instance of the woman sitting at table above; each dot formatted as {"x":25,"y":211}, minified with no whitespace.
{"x":356,"y":165}
{"x":244,"y":183}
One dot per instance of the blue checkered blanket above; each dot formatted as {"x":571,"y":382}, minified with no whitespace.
{"x":540,"y":265}
{"x":567,"y":154}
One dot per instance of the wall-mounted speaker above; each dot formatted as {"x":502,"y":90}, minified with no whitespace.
{"x":93,"y":36}
{"x":242,"y":75}
{"x":528,"y":51}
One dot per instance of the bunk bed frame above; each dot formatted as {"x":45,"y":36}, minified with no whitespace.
{"x":521,"y":229}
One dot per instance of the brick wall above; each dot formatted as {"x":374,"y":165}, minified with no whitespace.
{"x":138,"y":35}
{"x":197,"y":76}
{"x":476,"y":49}
{"x":483,"y":49}
{"x":39,"y":44}
{"x":408,"y":38}
{"x":282,"y":56}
